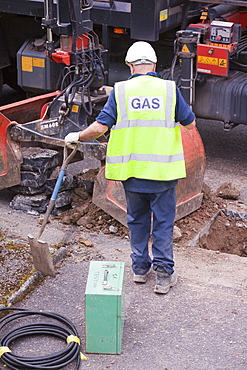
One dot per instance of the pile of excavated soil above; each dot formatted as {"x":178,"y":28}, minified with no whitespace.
{"x":88,"y":216}
{"x":227,"y":235}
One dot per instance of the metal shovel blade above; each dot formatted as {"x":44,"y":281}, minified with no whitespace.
{"x":42,"y":259}
{"x":40,"y":251}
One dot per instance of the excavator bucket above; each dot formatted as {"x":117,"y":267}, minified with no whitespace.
{"x":10,"y":156}
{"x":10,"y":150}
{"x":109,"y":195}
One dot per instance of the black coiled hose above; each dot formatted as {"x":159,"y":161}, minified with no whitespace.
{"x":58,"y":360}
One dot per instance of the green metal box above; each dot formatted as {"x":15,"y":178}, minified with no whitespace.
{"x":105,"y":307}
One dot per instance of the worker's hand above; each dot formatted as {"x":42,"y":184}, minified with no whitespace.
{"x":71,"y":139}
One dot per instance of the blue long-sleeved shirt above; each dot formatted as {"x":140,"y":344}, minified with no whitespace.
{"x":108,"y":117}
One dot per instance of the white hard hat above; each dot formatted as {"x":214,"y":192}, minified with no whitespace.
{"x":140,"y":52}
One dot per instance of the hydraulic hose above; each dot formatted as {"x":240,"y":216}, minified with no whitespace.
{"x":64,"y":330}
{"x":67,"y":91}
{"x":85,"y":88}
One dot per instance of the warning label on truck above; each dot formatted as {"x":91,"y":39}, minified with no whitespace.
{"x":39,"y":62}
{"x":222,"y":62}
{"x":27,"y":64}
{"x":212,"y":60}
{"x":163,"y":15}
{"x":185,"y":49}
{"x":207,"y":60}
{"x":227,"y":46}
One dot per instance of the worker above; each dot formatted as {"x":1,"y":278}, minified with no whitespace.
{"x":145,"y":152}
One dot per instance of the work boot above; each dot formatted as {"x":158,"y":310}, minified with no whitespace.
{"x":140,"y":278}
{"x":164,"y":281}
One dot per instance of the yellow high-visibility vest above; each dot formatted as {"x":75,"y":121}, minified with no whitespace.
{"x":146,"y":141}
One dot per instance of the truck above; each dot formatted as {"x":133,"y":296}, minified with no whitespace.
{"x":212,"y":63}
{"x":200,"y":44}
{"x":59,"y":53}
{"x":164,"y":24}
{"x":117,"y":24}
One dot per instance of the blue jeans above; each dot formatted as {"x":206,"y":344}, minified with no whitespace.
{"x":140,"y":209}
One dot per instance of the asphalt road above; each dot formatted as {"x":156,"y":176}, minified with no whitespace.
{"x":199,"y":325}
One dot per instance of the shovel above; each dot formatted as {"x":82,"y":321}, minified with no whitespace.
{"x":40,"y":251}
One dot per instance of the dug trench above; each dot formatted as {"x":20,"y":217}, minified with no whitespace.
{"x":210,"y":227}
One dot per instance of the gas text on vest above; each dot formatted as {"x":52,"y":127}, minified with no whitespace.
{"x":145,"y":103}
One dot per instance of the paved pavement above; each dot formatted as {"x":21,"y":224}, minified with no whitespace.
{"x":199,"y":325}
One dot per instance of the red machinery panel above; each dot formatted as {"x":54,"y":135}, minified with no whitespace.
{"x":212,"y":60}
